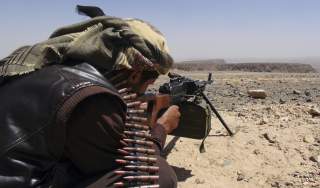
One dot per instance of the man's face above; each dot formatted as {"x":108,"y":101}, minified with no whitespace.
{"x":140,"y":80}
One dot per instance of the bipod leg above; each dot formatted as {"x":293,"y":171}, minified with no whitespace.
{"x":167,"y":149}
{"x":217,"y":114}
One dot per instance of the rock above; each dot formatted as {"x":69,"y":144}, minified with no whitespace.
{"x":240,"y":114}
{"x":257,"y":93}
{"x":263,"y":121}
{"x":297,"y":92}
{"x":251,"y":142}
{"x":275,"y":184}
{"x":199,"y":181}
{"x":270,"y":137}
{"x":240,"y":176}
{"x":288,"y":184}
{"x":315,"y":158}
{"x":257,"y":151}
{"x":311,"y":121}
{"x":285,"y":119}
{"x":309,"y":99}
{"x":282,"y":101}
{"x":308,"y":139}
{"x":307,"y":93}
{"x":314,"y":112}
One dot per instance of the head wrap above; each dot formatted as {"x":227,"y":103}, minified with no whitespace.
{"x":105,"y":42}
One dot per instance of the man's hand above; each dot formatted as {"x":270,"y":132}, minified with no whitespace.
{"x":170,"y":119}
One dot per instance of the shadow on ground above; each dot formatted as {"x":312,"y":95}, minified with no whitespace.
{"x":182,"y":173}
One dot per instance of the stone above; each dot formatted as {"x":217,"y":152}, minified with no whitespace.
{"x":256,"y":151}
{"x":257,"y":93}
{"x":270,"y":137}
{"x":275,"y":184}
{"x":285,"y":119}
{"x":289,"y":184}
{"x":282,"y":101}
{"x":307,"y":93}
{"x":315,"y":158}
{"x":297,"y":92}
{"x":240,"y":176}
{"x":251,"y":142}
{"x":240,"y":114}
{"x":314,"y":112}
{"x":263,"y":121}
{"x":199,"y":181}
{"x":308,"y":139}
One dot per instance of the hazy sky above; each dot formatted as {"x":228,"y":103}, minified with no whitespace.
{"x":194,"y":28}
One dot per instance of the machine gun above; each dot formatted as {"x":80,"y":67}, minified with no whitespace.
{"x":194,"y":106}
{"x":185,"y":89}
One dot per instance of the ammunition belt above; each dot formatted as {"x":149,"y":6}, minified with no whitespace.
{"x":137,"y":161}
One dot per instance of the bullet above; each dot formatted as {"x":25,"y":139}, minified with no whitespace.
{"x":124,"y":90}
{"x":125,"y":162}
{"x":138,"y":134}
{"x":147,"y":186}
{"x":135,"y":111}
{"x":118,"y":184}
{"x":141,"y":159}
{"x":140,"y":142}
{"x":140,"y":150}
{"x":144,"y":168}
{"x":132,"y":104}
{"x":138,"y":119}
{"x":124,"y":143}
{"x":130,"y":96}
{"x":141,"y":178}
{"x":123,"y":172}
{"x":123,"y":152}
{"x":137,"y":126}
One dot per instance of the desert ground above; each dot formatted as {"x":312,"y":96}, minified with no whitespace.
{"x":277,"y":140}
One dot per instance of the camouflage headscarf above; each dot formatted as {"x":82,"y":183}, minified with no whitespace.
{"x":105,"y":42}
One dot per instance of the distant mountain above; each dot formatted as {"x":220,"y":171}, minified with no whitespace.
{"x":221,"y":65}
{"x":208,"y":64}
{"x":204,"y":61}
{"x":313,"y":61}
{"x":267,"y":67}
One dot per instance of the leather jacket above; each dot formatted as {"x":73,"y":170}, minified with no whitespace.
{"x":32,"y":134}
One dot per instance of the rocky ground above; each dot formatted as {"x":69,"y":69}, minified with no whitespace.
{"x":277,"y":140}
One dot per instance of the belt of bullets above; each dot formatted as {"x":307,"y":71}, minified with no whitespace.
{"x":137,"y":161}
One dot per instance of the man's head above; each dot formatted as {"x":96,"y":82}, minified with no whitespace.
{"x":137,"y":70}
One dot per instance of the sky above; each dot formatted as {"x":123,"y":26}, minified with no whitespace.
{"x":195,"y":29}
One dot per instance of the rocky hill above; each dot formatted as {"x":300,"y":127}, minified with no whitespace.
{"x":267,"y":67}
{"x":245,"y":67}
{"x":199,"y":64}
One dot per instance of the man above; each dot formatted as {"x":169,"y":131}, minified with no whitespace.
{"x":61,"y":115}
